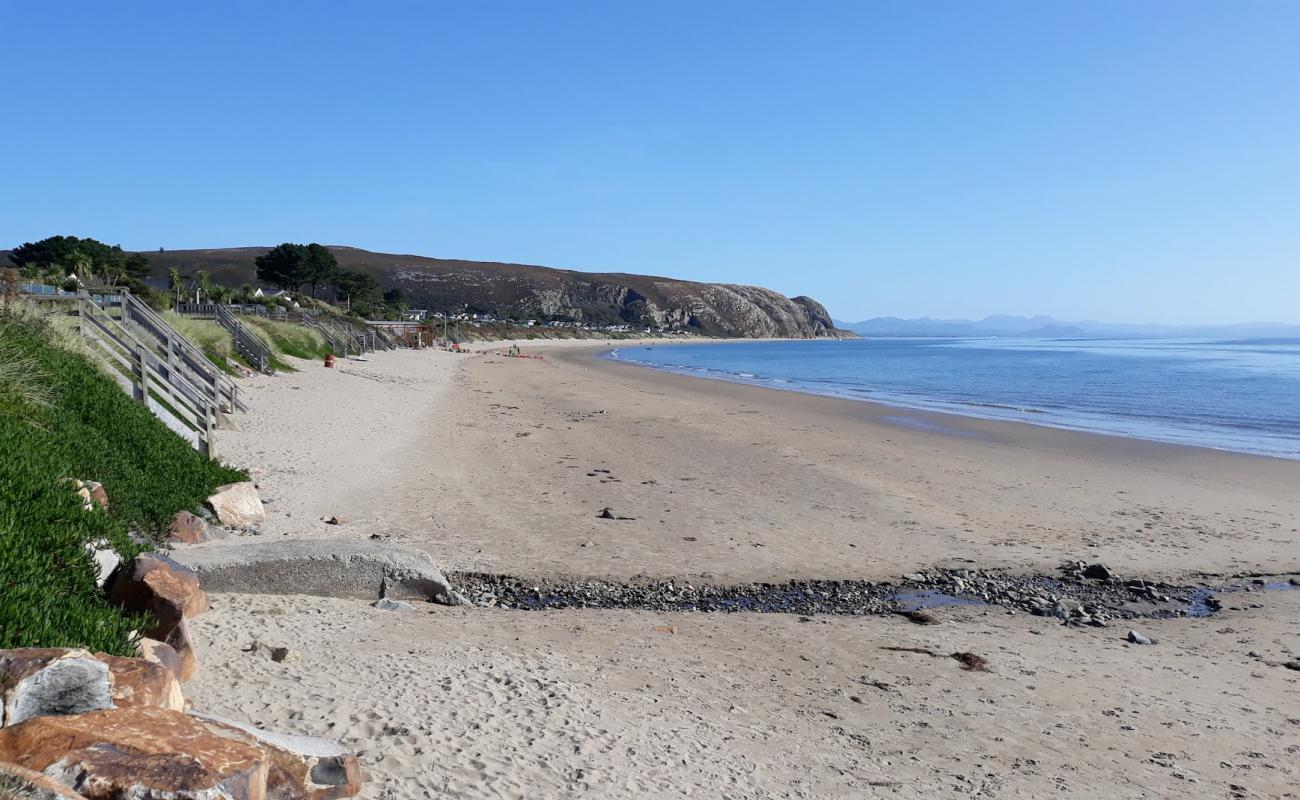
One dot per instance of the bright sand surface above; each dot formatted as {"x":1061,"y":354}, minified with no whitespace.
{"x":491,"y":463}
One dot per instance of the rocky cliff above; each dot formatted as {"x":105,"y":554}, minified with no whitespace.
{"x":521,"y":289}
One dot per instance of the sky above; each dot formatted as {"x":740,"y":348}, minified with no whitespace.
{"x":1086,"y":159}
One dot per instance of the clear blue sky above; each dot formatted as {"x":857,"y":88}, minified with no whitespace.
{"x":1124,"y":161}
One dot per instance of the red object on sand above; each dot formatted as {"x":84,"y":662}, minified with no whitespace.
{"x":329,"y":361}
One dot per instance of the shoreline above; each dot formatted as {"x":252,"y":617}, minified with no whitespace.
{"x":936,"y":420}
{"x":944,"y":423}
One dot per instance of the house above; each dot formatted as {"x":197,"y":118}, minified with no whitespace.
{"x":416,"y":314}
{"x":273,"y":295}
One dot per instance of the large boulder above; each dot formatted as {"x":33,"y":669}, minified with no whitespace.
{"x":238,"y":505}
{"x":323,"y":567}
{"x":170,"y":593}
{"x":320,"y":768}
{"x":39,"y":681}
{"x":157,"y":585}
{"x":157,"y":753}
{"x":140,"y":682}
{"x":139,"y":753}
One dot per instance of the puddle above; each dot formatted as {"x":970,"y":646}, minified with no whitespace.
{"x":929,"y":598}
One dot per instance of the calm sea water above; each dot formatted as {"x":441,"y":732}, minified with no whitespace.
{"x":1240,"y":394}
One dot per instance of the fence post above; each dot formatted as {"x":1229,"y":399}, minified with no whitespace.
{"x":141,"y":388}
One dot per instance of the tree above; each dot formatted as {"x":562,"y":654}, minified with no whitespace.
{"x":137,"y":266}
{"x":284,"y":266}
{"x":360,"y":290}
{"x":204,"y":282}
{"x":175,"y":282}
{"x":82,"y":256}
{"x":319,"y":266}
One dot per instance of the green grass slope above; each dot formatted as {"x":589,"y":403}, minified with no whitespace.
{"x":61,"y":418}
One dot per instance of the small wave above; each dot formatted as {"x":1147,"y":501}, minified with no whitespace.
{"x":1002,"y":407}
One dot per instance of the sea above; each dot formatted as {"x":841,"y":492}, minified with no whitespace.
{"x":1230,"y":394}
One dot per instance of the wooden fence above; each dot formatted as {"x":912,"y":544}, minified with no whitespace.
{"x":187,"y":400}
{"x":247,"y":344}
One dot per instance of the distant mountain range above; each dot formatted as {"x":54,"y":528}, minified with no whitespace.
{"x":1047,"y":327}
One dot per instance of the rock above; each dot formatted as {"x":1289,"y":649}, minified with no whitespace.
{"x":159,"y":653}
{"x":280,"y":655}
{"x":92,"y":494}
{"x":914,"y":577}
{"x":322,"y":768}
{"x":140,"y":682}
{"x":20,"y":783}
{"x":284,"y":655}
{"x":333,"y":521}
{"x":183,"y":646}
{"x":392,"y":605}
{"x":187,"y":528}
{"x":1255,"y":654}
{"x":1137,"y":638}
{"x":42,"y":681}
{"x":1098,"y":572}
{"x":1293,"y":665}
{"x":238,"y":505}
{"x":160,"y":585}
{"x":106,"y":560}
{"x":140,"y":753}
{"x":324,"y":567}
{"x":157,"y":585}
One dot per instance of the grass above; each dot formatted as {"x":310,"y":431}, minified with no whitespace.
{"x":62,"y":418}
{"x":205,"y":334}
{"x":288,"y":339}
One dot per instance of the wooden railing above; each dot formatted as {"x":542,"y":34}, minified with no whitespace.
{"x":163,"y":386}
{"x":177,"y":351}
{"x":247,"y":344}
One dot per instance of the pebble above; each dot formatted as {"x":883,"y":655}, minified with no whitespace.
{"x":1137,"y":638}
{"x":1071,"y":597}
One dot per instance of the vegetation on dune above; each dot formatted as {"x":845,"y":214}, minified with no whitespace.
{"x":288,"y":339}
{"x":61,"y":418}
{"x":205,"y":334}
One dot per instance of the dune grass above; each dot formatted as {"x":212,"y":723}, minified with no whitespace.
{"x":62,"y":418}
{"x":288,"y":339}
{"x":205,"y":334}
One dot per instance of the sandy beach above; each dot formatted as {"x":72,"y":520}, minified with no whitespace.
{"x":503,"y":465}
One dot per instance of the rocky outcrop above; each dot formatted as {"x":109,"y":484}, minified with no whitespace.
{"x":323,"y":567}
{"x":238,"y":505}
{"x":521,"y":289}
